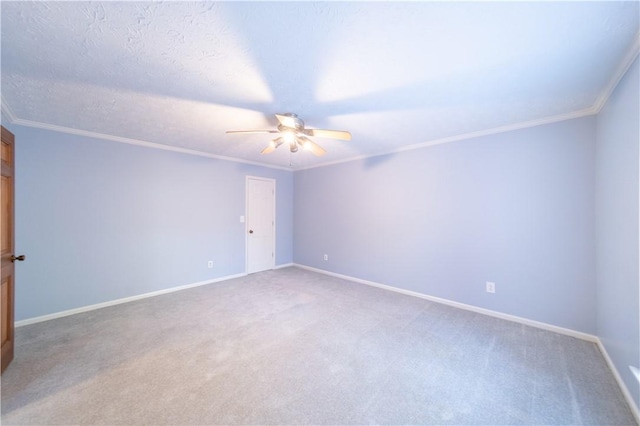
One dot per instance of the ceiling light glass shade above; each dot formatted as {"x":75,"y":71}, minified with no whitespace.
{"x":289,"y":137}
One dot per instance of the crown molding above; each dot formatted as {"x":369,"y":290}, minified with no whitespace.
{"x":495,"y":130}
{"x":623,"y":67}
{"x":601,"y":100}
{"x":130,"y":141}
{"x":502,"y":129}
{"x":8,"y":112}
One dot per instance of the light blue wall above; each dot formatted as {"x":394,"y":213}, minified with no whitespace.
{"x":513,"y":208}
{"x":617,"y":199}
{"x":100,"y":220}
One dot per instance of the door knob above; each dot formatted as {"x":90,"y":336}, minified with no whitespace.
{"x":251,"y":231}
{"x":20,"y":258}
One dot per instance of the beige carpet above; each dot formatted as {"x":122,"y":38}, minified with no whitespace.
{"x":296,"y":347}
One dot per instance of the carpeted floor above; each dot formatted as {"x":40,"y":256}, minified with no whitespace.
{"x":295,"y":347}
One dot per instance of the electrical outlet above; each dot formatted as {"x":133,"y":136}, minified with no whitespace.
{"x":326,"y":257}
{"x":210,"y":264}
{"x":491,"y":287}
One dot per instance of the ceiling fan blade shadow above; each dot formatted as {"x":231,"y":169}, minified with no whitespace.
{"x":333,"y":134}
{"x":429,"y":93}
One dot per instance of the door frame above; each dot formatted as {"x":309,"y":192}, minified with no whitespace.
{"x":246,"y":222}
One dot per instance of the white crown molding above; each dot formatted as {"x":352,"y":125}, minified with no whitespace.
{"x":8,"y":112}
{"x":72,"y":131}
{"x":602,"y":99}
{"x":620,"y":71}
{"x":496,"y":130}
{"x":455,"y":138}
{"x":503,"y":129}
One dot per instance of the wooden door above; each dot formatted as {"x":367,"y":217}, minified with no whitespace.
{"x":7,"y":246}
{"x":260,"y":224}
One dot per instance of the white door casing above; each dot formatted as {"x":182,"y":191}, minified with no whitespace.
{"x":260,"y":223}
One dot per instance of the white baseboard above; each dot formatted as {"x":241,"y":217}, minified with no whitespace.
{"x":496,"y":314}
{"x":621,"y":384}
{"x":284,"y":265}
{"x":537,"y":324}
{"x":61,"y":314}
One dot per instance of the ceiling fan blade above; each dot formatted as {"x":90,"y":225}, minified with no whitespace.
{"x":333,"y":134}
{"x":272,"y":146}
{"x":292,"y":131}
{"x":268,"y":150}
{"x":252,"y":131}
{"x":311,"y":146}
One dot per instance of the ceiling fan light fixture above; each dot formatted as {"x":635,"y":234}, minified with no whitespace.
{"x":289,"y":137}
{"x":292,"y":131}
{"x":272,"y":146}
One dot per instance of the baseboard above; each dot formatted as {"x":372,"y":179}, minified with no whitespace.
{"x":284,"y":265}
{"x":496,"y":314}
{"x":573,"y":333}
{"x":621,"y":384}
{"x":61,"y":314}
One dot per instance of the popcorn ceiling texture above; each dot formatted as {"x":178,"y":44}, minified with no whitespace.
{"x":394,"y":74}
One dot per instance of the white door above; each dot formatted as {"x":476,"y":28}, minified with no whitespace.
{"x":261,"y":224}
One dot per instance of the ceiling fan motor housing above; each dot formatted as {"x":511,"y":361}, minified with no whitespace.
{"x":295,"y":122}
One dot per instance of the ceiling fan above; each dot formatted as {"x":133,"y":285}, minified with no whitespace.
{"x":293,"y":133}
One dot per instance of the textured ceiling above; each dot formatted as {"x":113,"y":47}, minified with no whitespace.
{"x":395,"y":74}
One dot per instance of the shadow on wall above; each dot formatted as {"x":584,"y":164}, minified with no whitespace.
{"x":378,"y":160}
